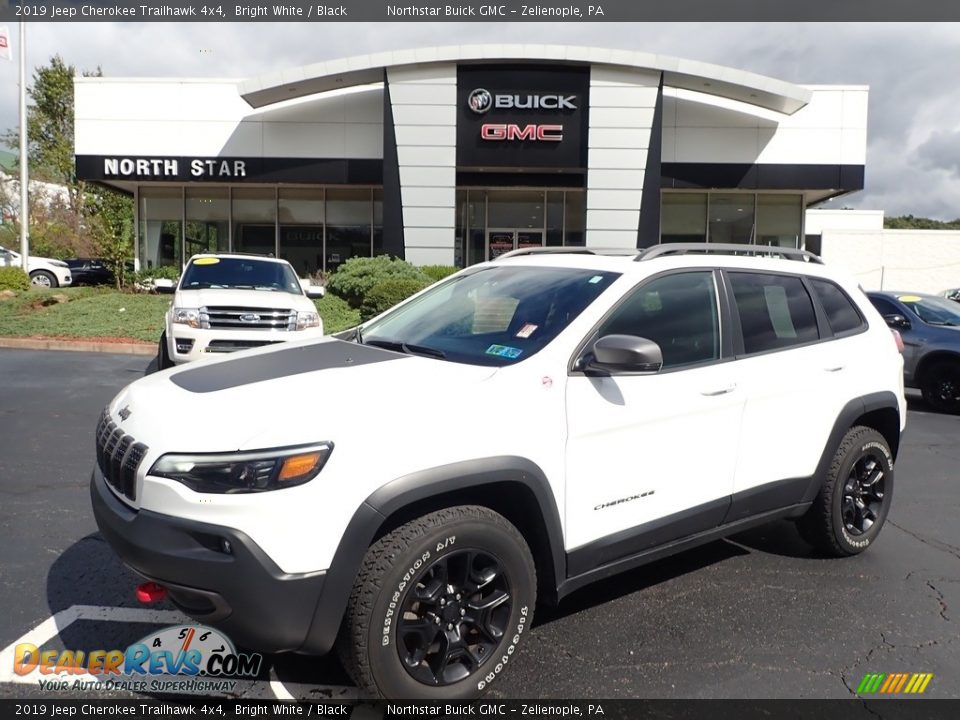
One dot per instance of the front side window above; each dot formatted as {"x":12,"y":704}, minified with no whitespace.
{"x":239,"y":273}
{"x":775,"y":311}
{"x":678,"y":312}
{"x":494,"y":316}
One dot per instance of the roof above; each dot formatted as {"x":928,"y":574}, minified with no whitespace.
{"x":747,"y":87}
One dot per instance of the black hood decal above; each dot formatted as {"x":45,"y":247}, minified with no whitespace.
{"x":282,"y":363}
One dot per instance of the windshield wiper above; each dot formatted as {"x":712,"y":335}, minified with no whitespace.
{"x":408,"y":348}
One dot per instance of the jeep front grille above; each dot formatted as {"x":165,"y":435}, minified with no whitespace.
{"x":246,"y":318}
{"x":118,"y":456}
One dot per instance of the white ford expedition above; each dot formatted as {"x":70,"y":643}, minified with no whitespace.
{"x":225,"y":303}
{"x":504,"y":437}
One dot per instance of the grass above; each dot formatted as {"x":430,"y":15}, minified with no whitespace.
{"x":104,"y":313}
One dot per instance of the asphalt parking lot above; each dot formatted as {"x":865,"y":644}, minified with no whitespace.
{"x":757,"y":616}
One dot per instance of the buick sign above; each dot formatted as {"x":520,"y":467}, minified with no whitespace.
{"x":479,"y":101}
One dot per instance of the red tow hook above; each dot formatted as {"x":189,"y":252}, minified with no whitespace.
{"x":150,"y":592}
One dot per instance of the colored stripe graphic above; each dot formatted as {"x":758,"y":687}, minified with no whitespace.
{"x":894,"y":683}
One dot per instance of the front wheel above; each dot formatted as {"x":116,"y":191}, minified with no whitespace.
{"x":43,"y":279}
{"x":853,"y":502}
{"x":440,"y":606}
{"x":163,"y":353}
{"x":941,"y":386}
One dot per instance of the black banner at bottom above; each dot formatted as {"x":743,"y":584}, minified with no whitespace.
{"x":899,"y":709}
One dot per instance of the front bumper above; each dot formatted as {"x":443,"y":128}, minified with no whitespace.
{"x":241,"y":591}
{"x":187,"y":344}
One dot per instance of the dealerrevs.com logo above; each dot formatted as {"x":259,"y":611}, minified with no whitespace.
{"x":177,"y":659}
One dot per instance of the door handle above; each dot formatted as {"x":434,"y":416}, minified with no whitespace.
{"x":720,"y":391}
{"x":835,"y":368}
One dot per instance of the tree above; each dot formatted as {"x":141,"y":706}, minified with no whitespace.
{"x":909,"y":222}
{"x":92,"y":219}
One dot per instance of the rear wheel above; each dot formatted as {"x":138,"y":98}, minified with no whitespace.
{"x":439,"y":607}
{"x":940,"y":386}
{"x":163,"y":354}
{"x":853,"y":503}
{"x":43,"y":279}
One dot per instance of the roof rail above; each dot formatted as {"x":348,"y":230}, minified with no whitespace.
{"x":546,"y":251}
{"x":728,"y":249}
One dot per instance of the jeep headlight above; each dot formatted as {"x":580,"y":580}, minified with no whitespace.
{"x":307,"y":320}
{"x":245,"y":472}
{"x":186,"y":316}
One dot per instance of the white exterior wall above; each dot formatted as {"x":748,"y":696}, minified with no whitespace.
{"x":424,"y":105}
{"x":819,"y":220}
{"x":206,"y":118}
{"x":830,"y":130}
{"x":622,"y":104}
{"x":909,"y":260}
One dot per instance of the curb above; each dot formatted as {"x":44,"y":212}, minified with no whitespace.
{"x":78,"y":346}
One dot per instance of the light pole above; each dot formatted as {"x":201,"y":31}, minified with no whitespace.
{"x":24,"y":175}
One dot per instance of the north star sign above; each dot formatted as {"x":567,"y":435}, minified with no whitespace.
{"x":170,"y":168}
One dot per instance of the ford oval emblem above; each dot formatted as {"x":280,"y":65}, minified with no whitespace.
{"x":250,"y":317}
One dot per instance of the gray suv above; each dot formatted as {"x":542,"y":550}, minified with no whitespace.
{"x":930,"y":328}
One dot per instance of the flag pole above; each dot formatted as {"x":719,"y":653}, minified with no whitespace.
{"x":24,"y":175}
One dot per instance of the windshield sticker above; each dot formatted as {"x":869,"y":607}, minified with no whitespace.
{"x":206,"y":261}
{"x":910,"y":298}
{"x":526,"y":331}
{"x":595,"y":279}
{"x":504,"y":351}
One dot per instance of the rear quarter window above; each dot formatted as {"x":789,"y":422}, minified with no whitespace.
{"x":775,"y":311}
{"x":842,"y":314}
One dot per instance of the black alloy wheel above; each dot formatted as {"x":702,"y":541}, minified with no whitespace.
{"x":941,"y":387}
{"x":863,"y":494}
{"x":455,"y":617}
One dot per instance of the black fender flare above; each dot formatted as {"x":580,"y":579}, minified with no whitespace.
{"x":405,"y":491}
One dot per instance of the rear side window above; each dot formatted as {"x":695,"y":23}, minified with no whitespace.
{"x":885,"y":307}
{"x":775,"y":311}
{"x":842,"y":314}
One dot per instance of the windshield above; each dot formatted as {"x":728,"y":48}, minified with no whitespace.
{"x":933,"y":310}
{"x":240,"y":273}
{"x":495,"y":316}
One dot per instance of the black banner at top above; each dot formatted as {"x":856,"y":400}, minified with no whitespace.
{"x":470,"y":10}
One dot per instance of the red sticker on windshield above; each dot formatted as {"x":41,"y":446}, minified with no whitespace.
{"x":527,"y":330}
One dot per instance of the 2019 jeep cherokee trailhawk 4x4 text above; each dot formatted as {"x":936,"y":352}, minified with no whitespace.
{"x":511,"y":433}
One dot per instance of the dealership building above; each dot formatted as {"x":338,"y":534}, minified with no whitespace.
{"x":454,"y":155}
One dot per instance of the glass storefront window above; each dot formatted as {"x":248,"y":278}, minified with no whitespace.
{"x":731,"y":218}
{"x":161,"y":227}
{"x":349,"y":229}
{"x":301,"y":228}
{"x":208,"y":220}
{"x":683,"y":217}
{"x":779,"y":219}
{"x":515,"y":209}
{"x":575,"y":218}
{"x":476,"y":226}
{"x":254,"y":220}
{"x":555,"y":218}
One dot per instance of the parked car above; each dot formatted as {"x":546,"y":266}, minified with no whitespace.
{"x":227,"y":302}
{"x":952,"y":294}
{"x":410,"y":488}
{"x":930,"y":328}
{"x":44,"y":272}
{"x":90,"y":271}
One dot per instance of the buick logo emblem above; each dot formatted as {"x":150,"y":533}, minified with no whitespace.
{"x":250,"y":317}
{"x":480,"y":101}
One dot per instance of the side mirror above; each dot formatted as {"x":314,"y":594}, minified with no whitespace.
{"x":897,"y":321}
{"x":625,"y":354}
{"x":315,"y":291}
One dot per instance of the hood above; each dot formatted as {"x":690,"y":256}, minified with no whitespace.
{"x":309,"y":392}
{"x":212,"y":297}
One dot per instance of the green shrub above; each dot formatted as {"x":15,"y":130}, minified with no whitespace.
{"x":388,"y":293}
{"x":165,"y":272}
{"x":357,"y":276}
{"x":14,"y":278}
{"x":438,"y":272}
{"x":336,"y":314}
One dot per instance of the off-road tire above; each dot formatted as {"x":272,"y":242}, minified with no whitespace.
{"x":370,"y":643}
{"x":823,"y":525}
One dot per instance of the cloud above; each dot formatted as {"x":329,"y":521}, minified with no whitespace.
{"x":913,"y":92}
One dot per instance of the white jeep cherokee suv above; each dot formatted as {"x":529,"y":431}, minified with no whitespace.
{"x":229,"y":302}
{"x":508,"y":435}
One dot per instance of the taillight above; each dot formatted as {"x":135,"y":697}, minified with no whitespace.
{"x":897,"y":339}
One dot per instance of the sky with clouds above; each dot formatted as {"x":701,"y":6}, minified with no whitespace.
{"x":913,"y":156}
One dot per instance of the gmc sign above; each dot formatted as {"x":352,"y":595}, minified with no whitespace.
{"x":510,"y":131}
